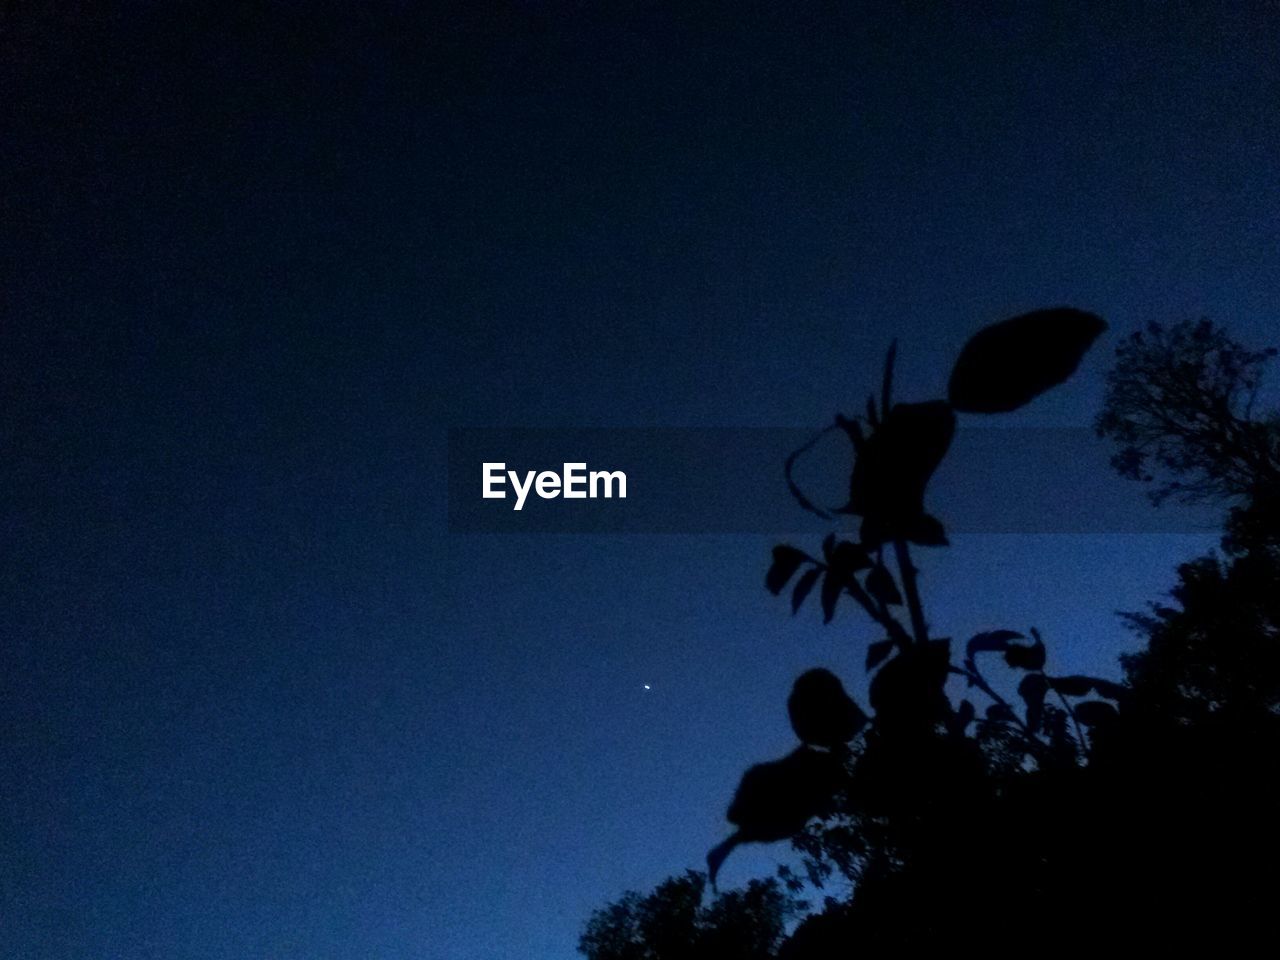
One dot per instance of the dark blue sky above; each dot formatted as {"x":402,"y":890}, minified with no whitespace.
{"x":256,"y":699}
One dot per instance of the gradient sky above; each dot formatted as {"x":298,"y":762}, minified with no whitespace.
{"x":257,"y":701}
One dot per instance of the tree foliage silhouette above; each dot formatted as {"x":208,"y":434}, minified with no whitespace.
{"x":1212,"y":659}
{"x":672,"y":923}
{"x":1137,"y":814}
{"x":1180,"y":403}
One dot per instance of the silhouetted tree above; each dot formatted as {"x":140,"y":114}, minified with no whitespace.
{"x":1205,"y":701}
{"x":672,"y":923}
{"x":1180,"y":403}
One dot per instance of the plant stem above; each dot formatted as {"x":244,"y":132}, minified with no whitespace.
{"x":878,"y":613}
{"x":912,"y":589}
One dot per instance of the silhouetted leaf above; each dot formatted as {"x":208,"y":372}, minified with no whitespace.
{"x":886,"y":384}
{"x":821,"y":713}
{"x":1093,"y":713}
{"x":928,"y":532}
{"x":992,"y":641}
{"x":1000,"y":713}
{"x":1112,"y":691}
{"x":1032,"y":690}
{"x":875,"y":529}
{"x":1023,"y":656}
{"x":880,"y":585}
{"x":853,"y":430}
{"x":876,"y":653}
{"x":775,"y":800}
{"x":833,"y":585}
{"x":786,"y":560}
{"x":1008,"y":364}
{"x":960,"y":721}
{"x":803,"y":586}
{"x":893,"y":467}
{"x":847,"y":557}
{"x":828,"y":544}
{"x":1074,"y":686}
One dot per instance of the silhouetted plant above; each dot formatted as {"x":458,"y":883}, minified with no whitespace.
{"x":897,"y":447}
{"x":1140,"y":816}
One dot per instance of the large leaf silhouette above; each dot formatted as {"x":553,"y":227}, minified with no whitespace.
{"x":821,"y":713}
{"x":1025,"y":656}
{"x":775,"y":800}
{"x":786,"y":561}
{"x":892,"y":469}
{"x":993,"y":641}
{"x":1009,"y":364}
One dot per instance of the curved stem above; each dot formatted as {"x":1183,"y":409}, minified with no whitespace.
{"x":789,"y":468}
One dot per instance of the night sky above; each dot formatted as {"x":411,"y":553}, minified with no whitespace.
{"x":257,"y":700}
